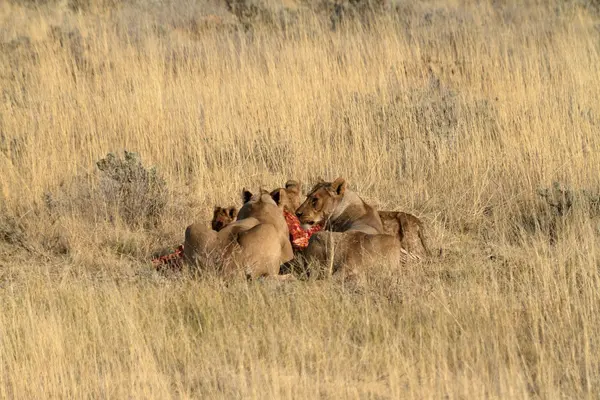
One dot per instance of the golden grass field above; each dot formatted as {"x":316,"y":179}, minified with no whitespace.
{"x":459,"y":112}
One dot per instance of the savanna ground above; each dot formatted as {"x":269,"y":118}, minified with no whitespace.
{"x":480,"y":117}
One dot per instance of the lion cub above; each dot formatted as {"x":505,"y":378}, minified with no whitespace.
{"x":223,"y":216}
{"x":255,"y":244}
{"x":408,"y":229}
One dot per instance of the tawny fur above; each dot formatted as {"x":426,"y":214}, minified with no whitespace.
{"x":339,"y":209}
{"x":354,"y":235}
{"x":255,"y":245}
{"x":409,"y":229}
{"x":288,"y":197}
{"x":223,"y":216}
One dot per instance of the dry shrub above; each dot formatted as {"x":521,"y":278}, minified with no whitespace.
{"x":264,"y":14}
{"x":139,"y":193}
{"x":124,"y":189}
{"x":339,"y":12}
{"x":564,"y":200}
{"x":12,"y":230}
{"x":531,"y":219}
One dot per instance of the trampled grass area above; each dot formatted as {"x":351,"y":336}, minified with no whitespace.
{"x":482,"y":118}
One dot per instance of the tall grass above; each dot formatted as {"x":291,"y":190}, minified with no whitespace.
{"x":459,"y":112}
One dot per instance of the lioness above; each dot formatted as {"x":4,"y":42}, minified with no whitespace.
{"x":256,"y":243}
{"x":408,"y":229}
{"x":288,"y":197}
{"x":338,"y":209}
{"x":288,"y":200}
{"x":223,"y":216}
{"x":354,"y":231}
{"x":349,"y":252}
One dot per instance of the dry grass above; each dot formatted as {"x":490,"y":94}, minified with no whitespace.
{"x":459,"y":112}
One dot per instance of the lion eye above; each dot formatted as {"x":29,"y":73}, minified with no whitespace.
{"x":315,"y":201}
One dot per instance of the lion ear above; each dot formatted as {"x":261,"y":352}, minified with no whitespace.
{"x":232,"y":212}
{"x":293,"y":186}
{"x":246,"y":195}
{"x":217,"y":209}
{"x":276,"y":196}
{"x":339,"y":186}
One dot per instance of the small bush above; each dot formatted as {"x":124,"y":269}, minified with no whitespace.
{"x":339,"y":11}
{"x":125,"y":189}
{"x":140,"y":194}
{"x":11,"y":230}
{"x":563,"y":200}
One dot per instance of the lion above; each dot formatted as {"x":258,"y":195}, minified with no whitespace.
{"x":338,"y":209}
{"x":353,"y":235}
{"x":256,"y":243}
{"x":348,"y":253}
{"x":288,"y":200}
{"x":287,"y":197}
{"x":223,"y":216}
{"x":409,"y":229}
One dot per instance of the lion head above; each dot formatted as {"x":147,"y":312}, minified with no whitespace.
{"x":321,"y":202}
{"x":223,"y":216}
{"x":254,"y":203}
{"x":288,"y":197}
